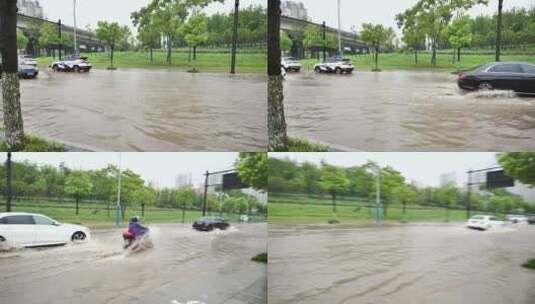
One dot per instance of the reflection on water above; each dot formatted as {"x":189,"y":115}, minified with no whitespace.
{"x":406,"y":111}
{"x":424,"y":263}
{"x":148,"y":110}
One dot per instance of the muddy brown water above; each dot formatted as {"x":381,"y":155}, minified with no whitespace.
{"x":427,"y":263}
{"x":148,"y":110}
{"x":183,"y":266}
{"x":406,"y":111}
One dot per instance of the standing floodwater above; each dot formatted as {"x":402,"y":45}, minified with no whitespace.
{"x":184,"y":265}
{"x":427,"y":263}
{"x":407,"y":111}
{"x":148,"y":110}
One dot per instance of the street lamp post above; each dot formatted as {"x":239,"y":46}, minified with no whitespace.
{"x":339,"y":32}
{"x":377,"y":170}
{"x":74,"y":17}
{"x":118,"y":205}
{"x":235,"y":37}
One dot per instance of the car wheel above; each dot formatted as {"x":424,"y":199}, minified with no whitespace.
{"x":317,"y":70}
{"x":338,"y":71}
{"x":2,"y":239}
{"x":55,"y":68}
{"x":76,"y":69}
{"x":78,"y":236}
{"x":485,"y":86}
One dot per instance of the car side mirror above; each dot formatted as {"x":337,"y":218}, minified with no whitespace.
{"x":55,"y":223}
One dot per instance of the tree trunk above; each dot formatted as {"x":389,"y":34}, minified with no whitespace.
{"x":189,"y":53}
{"x":434,"y":52}
{"x":143,"y":209}
{"x":111,"y":56}
{"x":499,"y":31}
{"x":333,"y":197}
{"x":404,"y":207}
{"x":13,"y":123}
{"x":194,"y":53}
{"x":459,"y":55}
{"x":169,"y":50}
{"x":123,"y":211}
{"x":416,"y":56}
{"x":151,"y":58}
{"x":278,"y":139}
{"x":234,"y":36}
{"x":77,"y":205}
{"x":377,"y":58}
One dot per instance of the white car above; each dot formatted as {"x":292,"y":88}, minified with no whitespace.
{"x":290,"y":64}
{"x":34,"y":230}
{"x":483,"y":222}
{"x":25,"y":59}
{"x":517,"y":219}
{"x":335,"y":65}
{"x":73,"y":63}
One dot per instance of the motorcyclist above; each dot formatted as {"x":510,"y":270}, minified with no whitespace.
{"x":135,"y":230}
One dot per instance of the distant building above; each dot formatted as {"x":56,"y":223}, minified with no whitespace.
{"x":183,"y":180}
{"x":448,"y":178}
{"x":294,"y":9}
{"x":30,"y":8}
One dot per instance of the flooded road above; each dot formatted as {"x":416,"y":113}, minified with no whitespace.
{"x":148,"y":110}
{"x":183,"y":266}
{"x":406,"y":111}
{"x":426,"y":263}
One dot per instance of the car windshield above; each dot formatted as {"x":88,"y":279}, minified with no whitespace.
{"x":529,"y":68}
{"x":478,"y":217}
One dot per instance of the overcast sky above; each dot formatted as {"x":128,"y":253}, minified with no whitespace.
{"x":423,"y":168}
{"x":354,"y":13}
{"x":91,"y":11}
{"x":159,"y":168}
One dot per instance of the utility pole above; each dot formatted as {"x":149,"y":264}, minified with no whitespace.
{"x":205,"y":193}
{"x":324,"y":26}
{"x":469,"y":194}
{"x":74,"y":17}
{"x":378,"y":196}
{"x":499,"y":30}
{"x":235,"y":37}
{"x":8,"y":182}
{"x":118,"y":205}
{"x":339,"y":32}
{"x":59,"y":35}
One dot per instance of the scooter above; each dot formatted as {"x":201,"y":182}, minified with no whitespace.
{"x":135,"y":245}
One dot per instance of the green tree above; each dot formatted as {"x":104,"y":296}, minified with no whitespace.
{"x":186,"y":198}
{"x":252,"y":168}
{"x":520,"y":166}
{"x":49,"y":37}
{"x":448,"y":196}
{"x":460,"y":34}
{"x":195,"y":32}
{"x":286,"y":42}
{"x":333,"y":181}
{"x":144,"y":196}
{"x":110,"y":33}
{"x":22,"y":40}
{"x":376,"y":36}
{"x":433,"y":18}
{"x":78,"y":185}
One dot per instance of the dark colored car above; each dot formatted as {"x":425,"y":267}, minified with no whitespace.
{"x":210,"y":223}
{"x":531,"y":220}
{"x":514,"y":76}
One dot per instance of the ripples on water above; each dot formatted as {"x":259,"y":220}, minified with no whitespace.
{"x":148,"y":110}
{"x":394,"y":111}
{"x":409,"y":264}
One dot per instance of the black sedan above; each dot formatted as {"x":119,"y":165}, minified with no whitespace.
{"x":210,"y":223}
{"x":514,"y":76}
